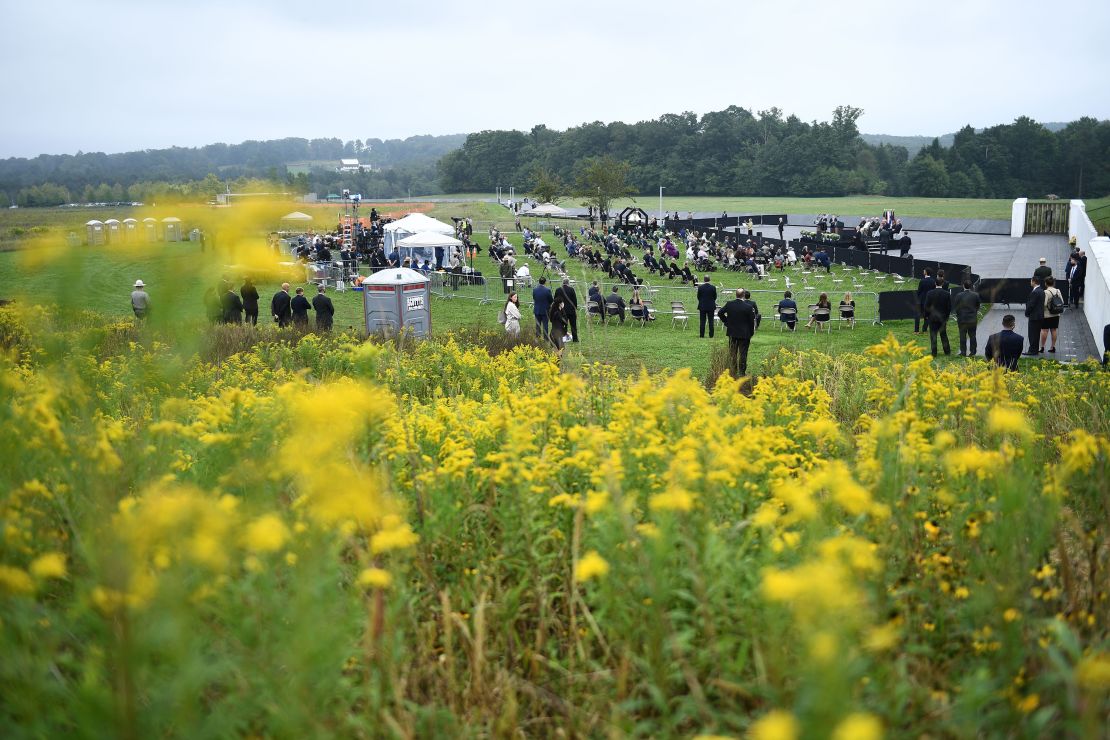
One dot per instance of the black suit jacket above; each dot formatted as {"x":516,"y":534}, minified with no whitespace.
{"x":1034,"y":307}
{"x":1005,"y":348}
{"x":569,"y":296}
{"x":739,"y":318}
{"x":250,"y":296}
{"x":323,"y":306}
{"x":707,"y":297}
{"x":938,"y":304}
{"x":300,"y":305}
{"x":233,"y":308}
{"x":280,"y":305}
{"x":923,"y":287}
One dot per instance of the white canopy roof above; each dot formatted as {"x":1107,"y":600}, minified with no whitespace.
{"x":171,"y":220}
{"x":94,"y":222}
{"x":296,"y":216}
{"x":395,"y":276}
{"x":547,"y":209}
{"x":428,"y":239}
{"x":418,"y":223}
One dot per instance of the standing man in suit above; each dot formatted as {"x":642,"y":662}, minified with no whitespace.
{"x":570,"y":307}
{"x":938,"y":307}
{"x":541,"y":304}
{"x":324,"y":308}
{"x":739,"y":317}
{"x":249,"y":294}
{"x":904,"y":244}
{"x":1034,"y":311}
{"x":1004,"y":348}
{"x":299,"y":307}
{"x":232,"y":306}
{"x":281,"y":306}
{"x":707,"y":304}
{"x":966,"y":305}
{"x":781,"y":225}
{"x":924,"y":285}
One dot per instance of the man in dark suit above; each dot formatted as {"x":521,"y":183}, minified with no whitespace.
{"x":570,"y":308}
{"x":1005,"y":346}
{"x":1034,"y":311}
{"x":280,"y":306}
{"x":325,"y":310}
{"x":299,"y":307}
{"x":541,"y":304}
{"x":707,"y":304}
{"x":966,"y":305}
{"x":904,"y":244}
{"x":233,"y":306}
{"x":250,"y":301}
{"x":924,"y":285}
{"x":782,"y":223}
{"x":739,"y":317}
{"x":615,"y":299}
{"x":938,"y":308}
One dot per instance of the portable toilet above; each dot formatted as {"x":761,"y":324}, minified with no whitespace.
{"x":150,"y":227}
{"x":397,"y":300}
{"x":171,"y":225}
{"x":95,"y":232}
{"x":130,"y":231}
{"x":112,"y":231}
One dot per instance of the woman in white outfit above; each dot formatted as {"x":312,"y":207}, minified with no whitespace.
{"x":512,"y":315}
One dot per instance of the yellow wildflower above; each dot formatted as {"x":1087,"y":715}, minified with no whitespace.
{"x":775,"y":725}
{"x":15,"y":580}
{"x":268,"y":533}
{"x":590,"y":565}
{"x":375,"y":578}
{"x":858,"y":726}
{"x":50,"y":565}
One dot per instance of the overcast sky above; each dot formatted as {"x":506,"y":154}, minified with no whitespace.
{"x":120,"y":75}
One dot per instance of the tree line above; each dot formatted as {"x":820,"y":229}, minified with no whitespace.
{"x":736,"y":152}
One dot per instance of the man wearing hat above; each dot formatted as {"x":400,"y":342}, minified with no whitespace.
{"x":1042,"y":271}
{"x":140,"y":301}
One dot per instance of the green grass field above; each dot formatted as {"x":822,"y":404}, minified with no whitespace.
{"x":853,"y":205}
{"x":177,"y":275}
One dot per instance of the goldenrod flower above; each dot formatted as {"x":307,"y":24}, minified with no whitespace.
{"x":268,"y":533}
{"x":775,"y":725}
{"x":590,"y":565}
{"x":50,"y":565}
{"x":858,"y":726}
{"x":375,"y":578}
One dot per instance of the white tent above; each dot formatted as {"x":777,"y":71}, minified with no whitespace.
{"x":296,"y":216}
{"x":423,"y":246}
{"x":547,"y":209}
{"x":414,"y":223}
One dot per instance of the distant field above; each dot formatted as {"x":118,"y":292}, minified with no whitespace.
{"x":856,"y":205}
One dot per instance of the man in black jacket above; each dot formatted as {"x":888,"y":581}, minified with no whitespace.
{"x":1034,"y":311}
{"x":966,"y":305}
{"x":324,"y":309}
{"x":938,"y":308}
{"x":250,"y":301}
{"x":707,"y":304}
{"x":280,"y":306}
{"x":904,"y":244}
{"x":232,"y":306}
{"x":739,"y":317}
{"x":570,"y":308}
{"x":299,"y":307}
{"x":924,"y":285}
{"x":1005,"y":346}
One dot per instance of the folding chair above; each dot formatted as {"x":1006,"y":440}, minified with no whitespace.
{"x":638,"y":314}
{"x":678,"y":313}
{"x":786,"y":315}
{"x":612,"y":311}
{"x":593,"y":311}
{"x":847,"y":314}
{"x":821,"y":318}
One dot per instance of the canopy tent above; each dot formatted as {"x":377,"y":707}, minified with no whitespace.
{"x":296,"y":216}
{"x":547,"y":209}
{"x":414,"y":223}
{"x":424,"y":245}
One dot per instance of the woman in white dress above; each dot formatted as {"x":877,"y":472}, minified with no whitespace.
{"x":512,"y":315}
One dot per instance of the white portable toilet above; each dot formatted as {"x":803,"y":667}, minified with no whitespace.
{"x":150,"y":227}
{"x":94,"y":232}
{"x":112,"y":231}
{"x":397,"y":300}
{"x":130,"y":231}
{"x":171,"y":226}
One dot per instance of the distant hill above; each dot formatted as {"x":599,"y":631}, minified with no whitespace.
{"x":913,"y":144}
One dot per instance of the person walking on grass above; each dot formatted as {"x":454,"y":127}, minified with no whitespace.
{"x":280,"y":306}
{"x":140,"y":301}
{"x":740,"y":319}
{"x":570,"y":297}
{"x":541,"y":303}
{"x":511,"y":312}
{"x":249,"y":294}
{"x":966,"y":306}
{"x":299,"y":307}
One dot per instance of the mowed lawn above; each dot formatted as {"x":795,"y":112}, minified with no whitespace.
{"x":177,"y":275}
{"x":856,"y":205}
